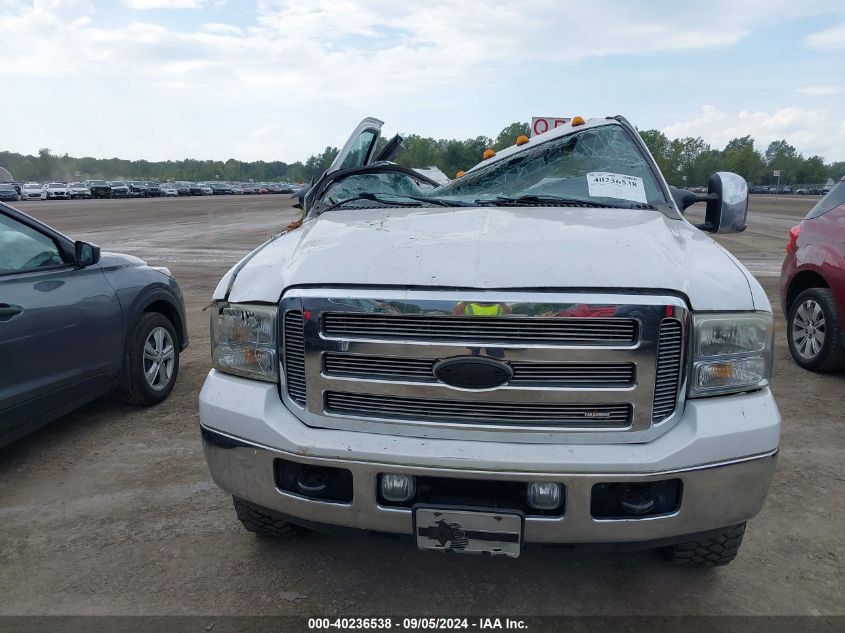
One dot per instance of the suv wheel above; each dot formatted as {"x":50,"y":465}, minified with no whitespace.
{"x":813,"y":331}
{"x":714,"y":551}
{"x":263,"y":521}
{"x":153,"y":359}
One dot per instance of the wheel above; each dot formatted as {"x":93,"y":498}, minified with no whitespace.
{"x":813,"y":331}
{"x":263,"y":521}
{"x":153,"y":360}
{"x":714,"y":551}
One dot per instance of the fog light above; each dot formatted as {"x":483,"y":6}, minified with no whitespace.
{"x":544,"y":495}
{"x":398,"y":488}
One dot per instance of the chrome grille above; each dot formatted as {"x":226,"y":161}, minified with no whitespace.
{"x":539,"y":414}
{"x":421,"y":369}
{"x":294,"y":338}
{"x":581,"y":362}
{"x":580,"y":331}
{"x":669,"y":349}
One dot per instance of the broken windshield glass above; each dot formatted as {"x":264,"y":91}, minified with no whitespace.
{"x":376,"y":183}
{"x":595,"y":164}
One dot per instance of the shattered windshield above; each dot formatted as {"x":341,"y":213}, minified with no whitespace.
{"x":597,"y":165}
{"x":395,"y":183}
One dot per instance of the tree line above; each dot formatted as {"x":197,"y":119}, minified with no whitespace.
{"x":684,"y":161}
{"x":695,"y":159}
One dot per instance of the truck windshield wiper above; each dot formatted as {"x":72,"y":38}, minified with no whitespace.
{"x":391,"y":199}
{"x":503,"y":201}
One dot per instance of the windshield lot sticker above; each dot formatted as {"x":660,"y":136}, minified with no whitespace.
{"x":602,"y":184}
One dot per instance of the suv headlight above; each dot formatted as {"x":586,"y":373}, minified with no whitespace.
{"x":243,"y":340}
{"x":731,"y":352}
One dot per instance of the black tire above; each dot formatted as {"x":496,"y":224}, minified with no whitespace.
{"x":831,"y":355}
{"x":263,"y":521}
{"x":713,"y":551}
{"x":139,"y":390}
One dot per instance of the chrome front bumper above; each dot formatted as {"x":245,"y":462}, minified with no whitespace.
{"x":715,"y":494}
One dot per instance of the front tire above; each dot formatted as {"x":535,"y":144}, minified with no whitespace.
{"x":814,"y":331}
{"x":264,"y":522}
{"x":153,"y":360}
{"x":714,"y":551}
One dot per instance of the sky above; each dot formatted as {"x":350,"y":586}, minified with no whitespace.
{"x":281,"y":80}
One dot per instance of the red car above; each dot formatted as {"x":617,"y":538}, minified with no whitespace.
{"x":812,"y":285}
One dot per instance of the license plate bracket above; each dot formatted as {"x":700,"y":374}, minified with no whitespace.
{"x":462,"y":531}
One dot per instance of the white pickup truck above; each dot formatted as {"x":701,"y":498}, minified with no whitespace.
{"x":543,"y":350}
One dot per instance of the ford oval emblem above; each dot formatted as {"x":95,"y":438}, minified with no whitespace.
{"x":472,"y":372}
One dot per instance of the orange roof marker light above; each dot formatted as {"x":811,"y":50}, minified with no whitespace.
{"x":488,"y":153}
{"x":577,"y":120}
{"x":460,"y":173}
{"x":521,"y":139}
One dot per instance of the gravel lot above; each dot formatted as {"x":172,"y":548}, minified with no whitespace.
{"x":111,"y":510}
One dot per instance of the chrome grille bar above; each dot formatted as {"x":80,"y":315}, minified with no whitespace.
{"x":480,"y":329}
{"x":669,"y":349}
{"x":421,"y":369}
{"x":537,"y":414}
{"x":294,"y":351}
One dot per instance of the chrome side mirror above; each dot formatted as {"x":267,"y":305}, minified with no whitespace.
{"x":727,"y":203}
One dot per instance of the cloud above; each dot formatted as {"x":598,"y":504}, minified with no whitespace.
{"x":312,"y":63}
{"x":832,"y":39}
{"x":146,"y":5}
{"x":821,"y":90}
{"x":810,"y":131}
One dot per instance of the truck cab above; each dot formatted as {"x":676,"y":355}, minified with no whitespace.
{"x":543,"y":350}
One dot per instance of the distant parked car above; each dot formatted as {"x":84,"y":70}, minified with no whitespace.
{"x":201,"y":189}
{"x":75,"y":325}
{"x":182,"y":188}
{"x":57,"y":191}
{"x":169,"y":190}
{"x":33,"y":191}
{"x":825,"y":191}
{"x":801,"y":191}
{"x":757,"y":189}
{"x":786,"y":189}
{"x":99,"y":188}
{"x":812,"y":285}
{"x":247,"y":189}
{"x":153,"y":189}
{"x":137,"y":189}
{"x":79,"y":190}
{"x":8,"y":192}
{"x":220,"y":189}
{"x":119,"y":189}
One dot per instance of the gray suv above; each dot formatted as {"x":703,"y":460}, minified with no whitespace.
{"x":75,"y":324}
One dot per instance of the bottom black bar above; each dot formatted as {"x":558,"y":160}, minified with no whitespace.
{"x":421,"y":622}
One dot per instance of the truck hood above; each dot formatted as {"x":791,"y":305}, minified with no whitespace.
{"x":496,"y":248}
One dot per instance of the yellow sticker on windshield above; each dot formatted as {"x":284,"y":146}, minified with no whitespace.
{"x":603,"y":184}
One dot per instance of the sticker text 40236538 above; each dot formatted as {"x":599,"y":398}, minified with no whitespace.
{"x":603,"y":184}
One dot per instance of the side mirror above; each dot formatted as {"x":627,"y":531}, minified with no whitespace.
{"x":86,"y":254}
{"x":727,"y":204}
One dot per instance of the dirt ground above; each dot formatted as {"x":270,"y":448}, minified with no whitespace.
{"x":110,"y":510}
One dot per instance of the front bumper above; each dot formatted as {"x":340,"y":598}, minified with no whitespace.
{"x":723,"y":450}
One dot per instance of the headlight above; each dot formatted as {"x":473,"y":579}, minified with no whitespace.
{"x":243,"y":341}
{"x":730,"y":353}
